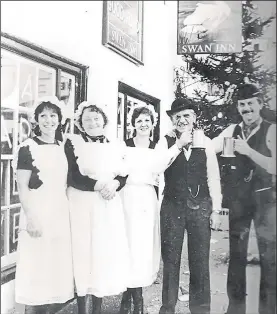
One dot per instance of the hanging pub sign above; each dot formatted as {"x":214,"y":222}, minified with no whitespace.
{"x":123,"y":28}
{"x":209,"y":27}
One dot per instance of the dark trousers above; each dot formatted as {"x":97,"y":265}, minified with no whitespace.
{"x":175,"y":218}
{"x":241,"y":215}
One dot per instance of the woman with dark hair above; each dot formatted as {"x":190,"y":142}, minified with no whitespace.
{"x":44,"y":270}
{"x":144,"y":163}
{"x":100,"y":250}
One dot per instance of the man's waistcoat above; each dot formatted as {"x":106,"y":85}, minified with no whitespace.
{"x":186,"y":178}
{"x":242,"y":176}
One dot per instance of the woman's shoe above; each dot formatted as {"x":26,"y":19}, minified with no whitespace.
{"x":126,"y":303}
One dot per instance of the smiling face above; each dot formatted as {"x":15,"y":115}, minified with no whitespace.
{"x":92,"y":122}
{"x":183,"y":120}
{"x":249,"y":109}
{"x":143,"y":125}
{"x":48,"y":121}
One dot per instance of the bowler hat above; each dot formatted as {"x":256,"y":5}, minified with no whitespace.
{"x":180,"y":104}
{"x":245,"y":91}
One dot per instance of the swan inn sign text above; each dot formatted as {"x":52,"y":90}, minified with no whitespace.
{"x":123,"y":29}
{"x":209,"y":27}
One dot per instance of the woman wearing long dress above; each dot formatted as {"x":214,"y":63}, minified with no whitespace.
{"x":44,"y":270}
{"x":100,"y":250}
{"x":141,"y":208}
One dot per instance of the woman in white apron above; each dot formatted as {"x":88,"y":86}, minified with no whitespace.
{"x":44,"y":270}
{"x":144,"y":162}
{"x":100,"y":249}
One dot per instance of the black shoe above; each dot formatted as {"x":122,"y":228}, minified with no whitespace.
{"x":126,"y":303}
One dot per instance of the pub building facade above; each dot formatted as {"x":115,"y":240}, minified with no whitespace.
{"x":118,"y":54}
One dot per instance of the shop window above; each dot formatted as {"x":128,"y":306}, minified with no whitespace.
{"x":28,"y":73}
{"x":128,"y":98}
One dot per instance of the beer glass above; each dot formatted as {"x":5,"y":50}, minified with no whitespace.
{"x":228,"y":147}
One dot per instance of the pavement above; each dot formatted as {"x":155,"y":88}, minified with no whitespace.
{"x":218,"y":273}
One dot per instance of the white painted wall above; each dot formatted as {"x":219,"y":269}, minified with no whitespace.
{"x":74,"y":30}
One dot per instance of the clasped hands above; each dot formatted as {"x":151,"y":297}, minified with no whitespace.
{"x":107,"y":189}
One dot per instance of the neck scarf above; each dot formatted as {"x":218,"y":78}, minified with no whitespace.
{"x":247,"y":129}
{"x":99,"y":138}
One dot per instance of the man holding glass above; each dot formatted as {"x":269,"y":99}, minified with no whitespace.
{"x":249,"y":180}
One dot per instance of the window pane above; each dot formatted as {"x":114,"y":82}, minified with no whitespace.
{"x":9,"y":82}
{"x":14,"y":226}
{"x":7,"y":130}
{"x":67,"y":95}
{"x":46,"y":83}
{"x":3,"y":232}
{"x":14,"y":197}
{"x":27,"y":84}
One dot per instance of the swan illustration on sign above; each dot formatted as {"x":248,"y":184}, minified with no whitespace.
{"x":209,"y":27}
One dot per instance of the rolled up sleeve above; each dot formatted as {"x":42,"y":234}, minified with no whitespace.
{"x":213,"y":175}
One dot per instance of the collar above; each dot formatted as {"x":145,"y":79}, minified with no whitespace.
{"x":253,"y":128}
{"x":187,"y":147}
{"x":99,"y":138}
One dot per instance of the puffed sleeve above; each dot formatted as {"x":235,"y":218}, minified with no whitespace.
{"x":24,"y":160}
{"x":74,"y":177}
{"x":122,"y":181}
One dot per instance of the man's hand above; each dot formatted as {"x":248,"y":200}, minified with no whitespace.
{"x":242,"y":147}
{"x":185,"y":138}
{"x":109,"y":189}
{"x":215,"y":220}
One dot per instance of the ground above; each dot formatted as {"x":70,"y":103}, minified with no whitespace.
{"x":218,"y":271}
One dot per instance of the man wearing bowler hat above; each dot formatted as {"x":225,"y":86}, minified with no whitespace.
{"x":192,"y":202}
{"x":250,"y":191}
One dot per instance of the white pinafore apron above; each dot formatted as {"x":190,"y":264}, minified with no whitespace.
{"x":44,"y":269}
